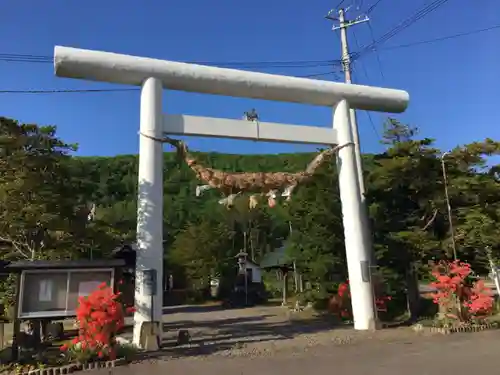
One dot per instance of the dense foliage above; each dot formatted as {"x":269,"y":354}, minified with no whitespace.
{"x":46,"y":195}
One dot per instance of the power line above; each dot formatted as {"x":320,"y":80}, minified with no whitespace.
{"x":371,"y":8}
{"x":48,"y":59}
{"x":27,"y":58}
{"x":368,"y":113}
{"x":316,"y":75}
{"x":440,"y":39}
{"x":370,"y":118}
{"x":88,"y":91}
{"x":365,"y":72}
{"x":284,"y":64}
{"x":402,"y":26}
{"x":340,"y":4}
{"x":412,"y":19}
{"x":379,"y":62}
{"x":64,"y":91}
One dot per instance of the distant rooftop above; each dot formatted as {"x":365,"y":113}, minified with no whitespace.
{"x":276,"y":259}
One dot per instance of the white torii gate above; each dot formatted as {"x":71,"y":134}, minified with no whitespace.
{"x":155,"y":75}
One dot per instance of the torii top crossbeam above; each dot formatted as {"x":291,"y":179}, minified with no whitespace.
{"x":131,"y":70}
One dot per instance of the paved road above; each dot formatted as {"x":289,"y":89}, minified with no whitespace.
{"x":459,"y":354}
{"x":299,"y":348}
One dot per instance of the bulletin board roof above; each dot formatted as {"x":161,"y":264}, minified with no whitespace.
{"x":64,"y":264}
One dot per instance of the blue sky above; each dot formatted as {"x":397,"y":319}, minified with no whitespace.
{"x":453,"y":85}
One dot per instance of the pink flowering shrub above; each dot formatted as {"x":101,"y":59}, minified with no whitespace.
{"x":459,"y":298}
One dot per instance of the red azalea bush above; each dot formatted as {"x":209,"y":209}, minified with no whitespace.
{"x":340,"y":303}
{"x":459,"y":297}
{"x":480,"y":302}
{"x":100,"y":316}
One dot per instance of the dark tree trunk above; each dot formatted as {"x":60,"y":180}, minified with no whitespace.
{"x":412,"y":292}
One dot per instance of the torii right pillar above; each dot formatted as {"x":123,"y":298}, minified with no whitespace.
{"x":358,"y":248}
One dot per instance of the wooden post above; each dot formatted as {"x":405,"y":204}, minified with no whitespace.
{"x":16,"y":322}
{"x":285,"y":286}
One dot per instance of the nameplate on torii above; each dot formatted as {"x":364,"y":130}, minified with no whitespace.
{"x":244,"y":129}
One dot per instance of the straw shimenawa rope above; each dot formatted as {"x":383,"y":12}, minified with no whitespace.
{"x":232,"y":185}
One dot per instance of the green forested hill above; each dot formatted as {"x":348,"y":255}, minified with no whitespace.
{"x":115,"y":182}
{"x":115,"y":178}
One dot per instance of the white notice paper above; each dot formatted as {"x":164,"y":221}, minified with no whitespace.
{"x":87,"y":287}
{"x":45,"y":291}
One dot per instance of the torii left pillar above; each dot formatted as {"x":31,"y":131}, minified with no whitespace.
{"x":149,"y":267}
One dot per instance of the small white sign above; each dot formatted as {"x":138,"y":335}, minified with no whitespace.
{"x":45,"y":291}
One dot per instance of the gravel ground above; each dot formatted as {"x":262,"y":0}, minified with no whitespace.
{"x":266,"y":341}
{"x":259,"y":331}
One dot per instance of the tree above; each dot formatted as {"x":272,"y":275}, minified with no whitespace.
{"x":403,"y":187}
{"x":317,"y":240}
{"x":204,"y":250}
{"x":120,"y":218}
{"x":475,"y":202}
{"x":255,"y":230}
{"x":43,"y":206}
{"x":32,"y":197}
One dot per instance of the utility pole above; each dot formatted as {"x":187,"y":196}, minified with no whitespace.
{"x":346,"y":66}
{"x":448,"y":205}
{"x":343,"y":24}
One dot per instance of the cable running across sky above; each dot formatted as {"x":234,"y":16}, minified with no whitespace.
{"x":426,"y":10}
